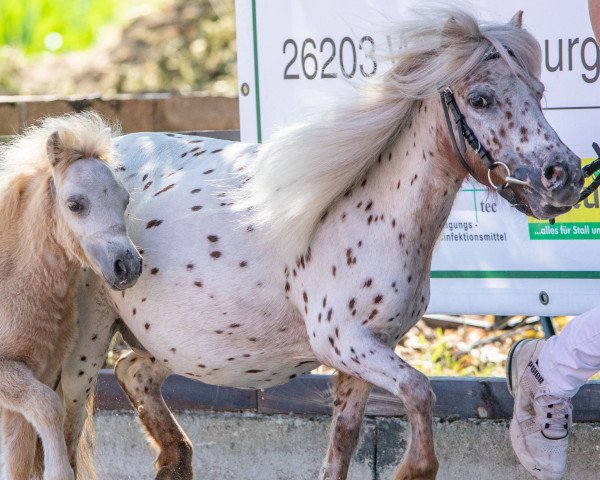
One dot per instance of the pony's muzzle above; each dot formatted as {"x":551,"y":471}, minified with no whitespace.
{"x":562,"y":179}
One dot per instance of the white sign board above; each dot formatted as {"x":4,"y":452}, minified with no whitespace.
{"x":295,"y":54}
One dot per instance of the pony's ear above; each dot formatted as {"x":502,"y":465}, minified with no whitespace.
{"x":517,"y":19}
{"x":450,"y":31}
{"x":54,"y":149}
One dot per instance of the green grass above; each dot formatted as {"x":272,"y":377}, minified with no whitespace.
{"x":28,"y":23}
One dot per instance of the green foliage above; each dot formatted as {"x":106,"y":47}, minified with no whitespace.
{"x":31,"y":24}
{"x":144,"y":46}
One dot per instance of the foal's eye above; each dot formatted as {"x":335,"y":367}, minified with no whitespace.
{"x":77,"y":203}
{"x":74,"y":206}
{"x":478,"y":101}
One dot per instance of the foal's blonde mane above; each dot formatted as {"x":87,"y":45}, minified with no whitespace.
{"x":306,"y":167}
{"x":83,"y":135}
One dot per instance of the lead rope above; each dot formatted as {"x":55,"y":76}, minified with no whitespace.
{"x":589,"y":170}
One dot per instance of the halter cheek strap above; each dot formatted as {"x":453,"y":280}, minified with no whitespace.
{"x":465,"y":132}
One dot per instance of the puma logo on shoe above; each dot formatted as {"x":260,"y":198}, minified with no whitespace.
{"x":535,"y":372}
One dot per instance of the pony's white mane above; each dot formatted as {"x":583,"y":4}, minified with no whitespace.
{"x":305,"y":168}
{"x":83,"y":135}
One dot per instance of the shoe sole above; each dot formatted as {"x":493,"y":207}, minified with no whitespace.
{"x":509,"y":370}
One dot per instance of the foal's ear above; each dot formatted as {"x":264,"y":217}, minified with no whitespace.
{"x":54,"y":149}
{"x":106,"y":134}
{"x":517,"y":19}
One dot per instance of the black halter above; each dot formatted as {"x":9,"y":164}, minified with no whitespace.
{"x":466,"y":133}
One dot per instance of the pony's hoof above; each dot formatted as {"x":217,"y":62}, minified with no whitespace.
{"x":168,"y":473}
{"x":417,"y":472}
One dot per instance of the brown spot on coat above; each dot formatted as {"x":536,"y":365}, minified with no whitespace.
{"x":153,"y":223}
{"x":168,"y":187}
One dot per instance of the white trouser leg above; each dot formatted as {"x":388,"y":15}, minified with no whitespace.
{"x":569,"y":359}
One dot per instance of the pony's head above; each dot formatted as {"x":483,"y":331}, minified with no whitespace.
{"x":496,"y":87}
{"x":89,"y":201}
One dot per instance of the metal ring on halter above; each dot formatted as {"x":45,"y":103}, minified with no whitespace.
{"x":478,"y":147}
{"x":489,"y":174}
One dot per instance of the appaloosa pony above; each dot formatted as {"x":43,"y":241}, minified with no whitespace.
{"x":261,"y":262}
{"x":61,"y":207}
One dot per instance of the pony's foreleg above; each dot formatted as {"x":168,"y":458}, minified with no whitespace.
{"x":21,"y":392}
{"x":96,"y":325}
{"x":351,"y":396}
{"x":141,"y":377}
{"x":358,"y":352}
{"x":18,"y":445}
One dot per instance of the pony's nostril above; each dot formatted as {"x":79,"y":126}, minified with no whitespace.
{"x":554,"y":176}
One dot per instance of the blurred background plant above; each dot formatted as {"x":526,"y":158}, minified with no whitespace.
{"x":468,"y":345}
{"x":65,"y":47}
{"x":53,"y":25}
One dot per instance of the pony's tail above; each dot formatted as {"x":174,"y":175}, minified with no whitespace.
{"x":85,"y":449}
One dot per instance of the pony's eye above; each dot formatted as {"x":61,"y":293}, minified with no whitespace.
{"x":478,"y":101}
{"x":74,"y":206}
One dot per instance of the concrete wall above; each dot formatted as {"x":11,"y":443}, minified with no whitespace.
{"x":250,"y":447}
{"x":136,"y":113}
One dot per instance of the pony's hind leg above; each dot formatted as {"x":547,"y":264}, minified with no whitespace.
{"x":351,"y":396}
{"x":141,"y":378}
{"x":18,"y":445}
{"x":358,"y":352}
{"x":21,"y":392}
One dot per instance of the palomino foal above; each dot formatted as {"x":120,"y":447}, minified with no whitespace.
{"x":264,"y":261}
{"x":61,"y":207}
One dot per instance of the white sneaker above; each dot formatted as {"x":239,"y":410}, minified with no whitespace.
{"x":539,"y":430}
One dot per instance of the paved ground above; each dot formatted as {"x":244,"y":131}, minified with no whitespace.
{"x":251,"y":447}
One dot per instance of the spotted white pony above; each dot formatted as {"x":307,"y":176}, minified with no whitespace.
{"x":262,"y":262}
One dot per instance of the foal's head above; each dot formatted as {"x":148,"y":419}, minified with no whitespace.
{"x":501,"y":101}
{"x":90,"y":208}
